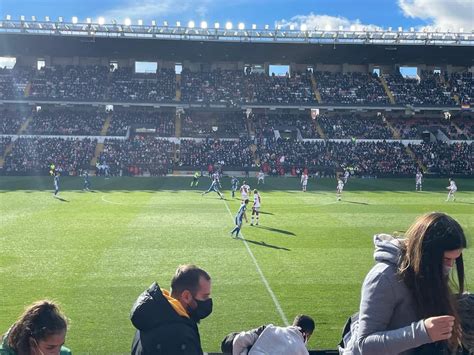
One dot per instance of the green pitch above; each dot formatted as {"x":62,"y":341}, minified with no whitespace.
{"x":95,"y":252}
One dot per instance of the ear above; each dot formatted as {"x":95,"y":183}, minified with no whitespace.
{"x":186,"y":297}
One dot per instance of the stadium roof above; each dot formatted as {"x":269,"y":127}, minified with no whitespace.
{"x":250,"y":46}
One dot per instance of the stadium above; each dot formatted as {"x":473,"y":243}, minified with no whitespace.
{"x":130,"y":124}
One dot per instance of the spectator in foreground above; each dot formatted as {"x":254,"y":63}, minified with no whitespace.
{"x":466,"y":314}
{"x":271,"y":339}
{"x":166,"y":322}
{"x":40,"y":330}
{"x":406,"y":298}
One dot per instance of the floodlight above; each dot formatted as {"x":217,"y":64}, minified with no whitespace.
{"x":178,"y":23}
{"x":74,"y":19}
{"x":101,"y":21}
{"x":341,"y":28}
{"x":303,"y":27}
{"x":22,"y":18}
{"x":165,"y":23}
{"x":216,"y":25}
{"x":8,"y":17}
{"x":203,"y":25}
{"x":46,"y":18}
{"x":89,"y":20}
{"x":254,"y":26}
{"x":461,"y":30}
{"x":60,"y":19}
{"x":353,"y":28}
{"x":127,"y":22}
{"x":328,"y":27}
{"x":33,"y":18}
{"x":191,"y":24}
{"x":292,"y":27}
{"x":241,"y":26}
{"x":140,"y":22}
{"x":390,"y":29}
{"x":228,"y":26}
{"x":400,"y":29}
{"x":267,"y":27}
{"x":153,"y":22}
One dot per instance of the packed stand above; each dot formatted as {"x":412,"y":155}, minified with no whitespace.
{"x":458,"y":128}
{"x":235,"y":153}
{"x":75,"y":83}
{"x":295,"y":89}
{"x":365,"y":158}
{"x":217,"y":86}
{"x":13,"y":82}
{"x":160,"y":123}
{"x":347,"y":126}
{"x":4,"y":143}
{"x":11,"y":120}
{"x":125,"y":85}
{"x":218,"y":124}
{"x":138,"y":156}
{"x":426,"y":90}
{"x":35,"y":155}
{"x":264,"y":124}
{"x":351,"y":88}
{"x":462,"y":85}
{"x":446,"y":159}
{"x":67,"y":122}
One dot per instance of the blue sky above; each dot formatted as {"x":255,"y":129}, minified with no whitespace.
{"x":442,"y":14}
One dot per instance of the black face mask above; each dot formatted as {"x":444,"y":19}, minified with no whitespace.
{"x":203,"y":309}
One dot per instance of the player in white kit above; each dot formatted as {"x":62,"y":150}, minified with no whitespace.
{"x":244,"y":191}
{"x":304,"y":181}
{"x":261,"y":178}
{"x":256,"y":207}
{"x":452,"y":190}
{"x":418,"y":181}
{"x":339,"y":188}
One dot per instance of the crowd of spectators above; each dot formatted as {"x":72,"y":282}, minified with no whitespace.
{"x":4,"y":143}
{"x":427,"y":89}
{"x":352,"y":125}
{"x":125,"y":85}
{"x":160,"y":123}
{"x":141,"y":155}
{"x":75,"y":83}
{"x":230,"y":124}
{"x":364,"y":158}
{"x":443,"y":158}
{"x":67,"y":122}
{"x":459,"y":128}
{"x":462,"y":85}
{"x":11,"y":120}
{"x":13,"y":82}
{"x":351,"y":88}
{"x":217,"y":86}
{"x":226,"y":153}
{"x":35,"y":155}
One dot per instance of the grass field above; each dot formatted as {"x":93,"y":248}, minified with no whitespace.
{"x":95,"y":252}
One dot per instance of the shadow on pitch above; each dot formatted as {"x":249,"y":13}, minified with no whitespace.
{"x":269,"y":213}
{"x":276,"y":230}
{"x":357,"y":203}
{"x":263,"y":244}
{"x":61,"y":199}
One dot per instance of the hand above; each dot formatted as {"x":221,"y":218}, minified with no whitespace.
{"x":439,"y":328}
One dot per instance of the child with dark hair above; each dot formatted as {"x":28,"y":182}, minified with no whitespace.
{"x":40,"y":330}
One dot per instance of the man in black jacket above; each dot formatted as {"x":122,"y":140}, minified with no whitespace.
{"x":167,"y":322}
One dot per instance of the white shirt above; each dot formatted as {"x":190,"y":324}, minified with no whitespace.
{"x":340,"y":185}
{"x":244,"y":190}
{"x":452,"y":186}
{"x":256,"y":200}
{"x":279,"y":341}
{"x":261,"y":176}
{"x":304,"y":179}
{"x":419,"y":176}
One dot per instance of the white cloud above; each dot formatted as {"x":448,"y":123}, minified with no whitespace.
{"x":313,"y":21}
{"x":441,"y":14}
{"x":152,"y":9}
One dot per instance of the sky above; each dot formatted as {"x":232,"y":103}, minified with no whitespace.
{"x":323,"y":14}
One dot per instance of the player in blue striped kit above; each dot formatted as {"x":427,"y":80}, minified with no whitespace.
{"x":238,"y":218}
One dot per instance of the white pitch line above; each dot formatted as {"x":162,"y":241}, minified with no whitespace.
{"x":264,"y":280}
{"x":112,"y":202}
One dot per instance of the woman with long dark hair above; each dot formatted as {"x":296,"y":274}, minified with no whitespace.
{"x":408,"y":296}
{"x":40,"y":330}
